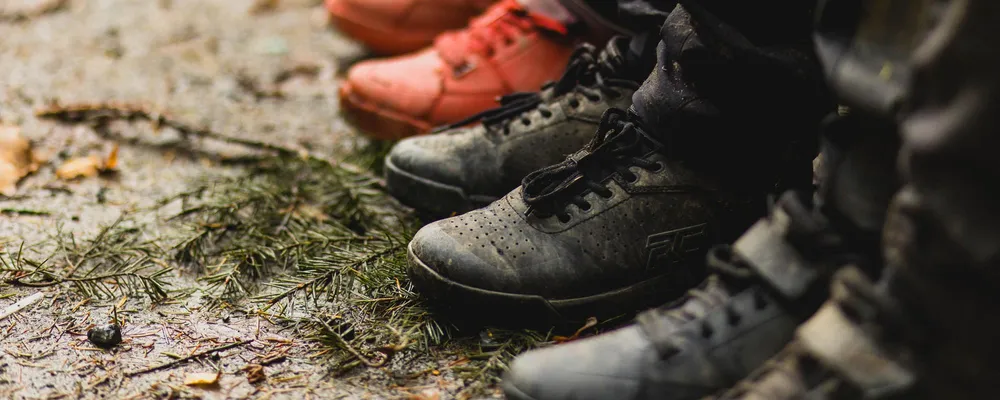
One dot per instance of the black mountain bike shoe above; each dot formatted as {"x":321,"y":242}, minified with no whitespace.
{"x":462,"y":167}
{"x":615,"y":228}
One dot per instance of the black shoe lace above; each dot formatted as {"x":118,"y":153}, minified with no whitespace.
{"x":618,"y":145}
{"x":589,"y":74}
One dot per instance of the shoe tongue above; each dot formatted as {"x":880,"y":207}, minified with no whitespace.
{"x":453,"y":46}
{"x":621,"y":129}
{"x":616,"y":140}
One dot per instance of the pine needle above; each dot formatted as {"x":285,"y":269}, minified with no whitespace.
{"x":116,"y":262}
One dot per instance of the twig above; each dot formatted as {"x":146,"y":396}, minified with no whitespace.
{"x":56,"y":280}
{"x":104,"y":111}
{"x":186,"y":359}
{"x":24,"y":211}
{"x":32,"y":12}
{"x":386,"y":351}
{"x":21,"y":304}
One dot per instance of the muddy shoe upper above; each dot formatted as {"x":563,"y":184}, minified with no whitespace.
{"x":683,"y":352}
{"x":710,"y":339}
{"x":625,"y":222}
{"x":611,"y":229}
{"x":465,"y":167}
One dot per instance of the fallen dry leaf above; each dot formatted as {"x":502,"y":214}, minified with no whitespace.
{"x":112,"y":161}
{"x":17,"y":160}
{"x":85,"y":167}
{"x":202,"y":378}
{"x":428,"y":394}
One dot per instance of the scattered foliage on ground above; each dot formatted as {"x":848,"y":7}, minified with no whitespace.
{"x":314,"y":245}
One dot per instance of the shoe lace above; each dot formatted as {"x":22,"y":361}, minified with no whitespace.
{"x":499,"y":26}
{"x":590,"y":74}
{"x":618,"y":145}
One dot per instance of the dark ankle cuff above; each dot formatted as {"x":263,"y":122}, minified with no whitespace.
{"x":598,"y":28}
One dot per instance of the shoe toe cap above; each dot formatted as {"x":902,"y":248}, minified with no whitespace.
{"x":430,"y":157}
{"x":608,"y":366}
{"x":446,"y":254}
{"x":409,"y":85}
{"x":496,"y":249}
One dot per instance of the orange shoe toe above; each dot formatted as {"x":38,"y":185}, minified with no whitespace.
{"x":505,"y":50}
{"x":386,"y":106}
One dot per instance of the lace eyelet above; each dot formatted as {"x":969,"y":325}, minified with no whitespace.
{"x":525,"y":121}
{"x":546,"y":113}
{"x":574,"y":103}
{"x":595,"y":99}
{"x":587,"y":208}
{"x":669,"y":352}
{"x":564,"y":218}
{"x":707,"y":331}
{"x":632,"y":178}
{"x":659,"y":167}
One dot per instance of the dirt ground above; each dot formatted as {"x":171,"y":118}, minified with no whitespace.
{"x":219,"y":64}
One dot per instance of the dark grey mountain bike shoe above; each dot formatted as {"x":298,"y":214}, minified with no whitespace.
{"x":466,"y":167}
{"x":740,"y":317}
{"x":614,"y":229}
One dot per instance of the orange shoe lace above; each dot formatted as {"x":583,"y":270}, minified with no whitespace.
{"x":499,"y":26}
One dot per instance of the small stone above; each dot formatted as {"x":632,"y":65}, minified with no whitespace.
{"x":487,"y":341}
{"x":105,"y":336}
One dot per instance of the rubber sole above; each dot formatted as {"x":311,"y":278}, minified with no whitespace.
{"x":499,"y":308}
{"x":511,"y":392}
{"x":377,"y":122}
{"x":380,"y":40}
{"x":433,"y":198}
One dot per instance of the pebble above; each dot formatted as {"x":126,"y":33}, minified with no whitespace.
{"x":105,"y":336}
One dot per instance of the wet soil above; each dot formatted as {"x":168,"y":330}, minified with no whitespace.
{"x":270,"y":76}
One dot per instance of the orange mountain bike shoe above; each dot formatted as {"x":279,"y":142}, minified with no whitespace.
{"x":392,"y":27}
{"x":507,"y":49}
